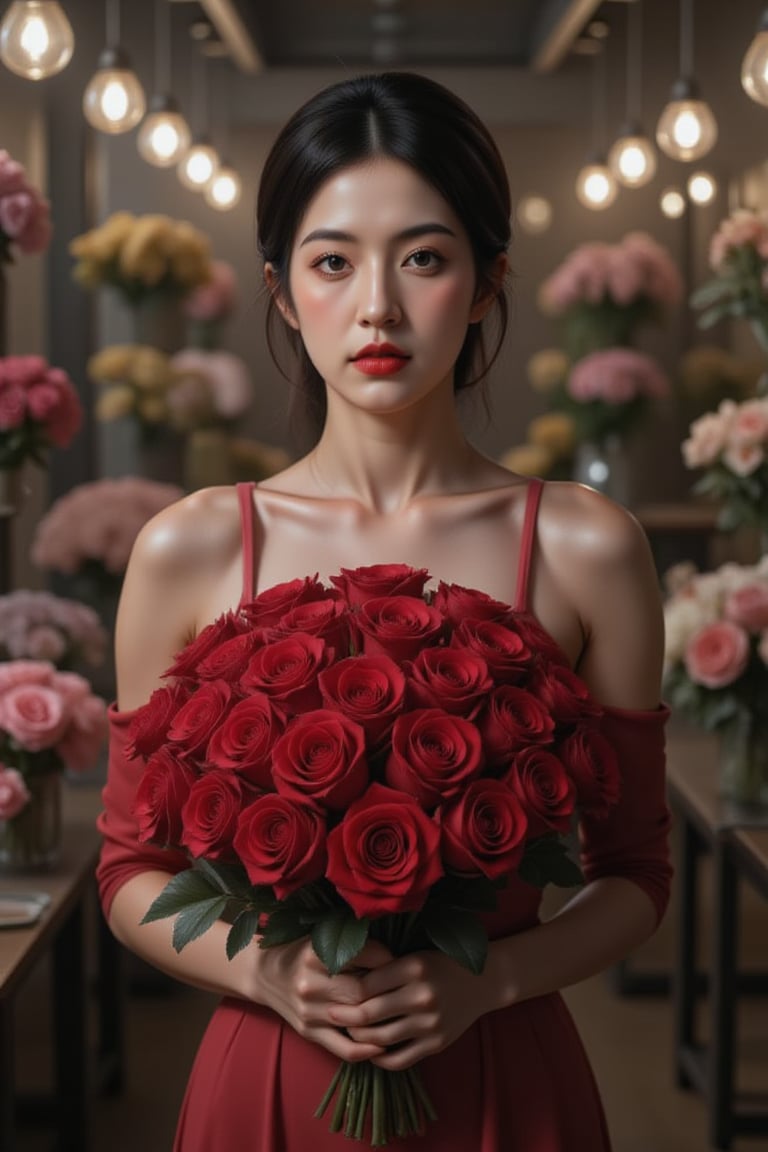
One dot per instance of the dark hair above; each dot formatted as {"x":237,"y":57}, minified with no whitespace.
{"x":405,"y":117}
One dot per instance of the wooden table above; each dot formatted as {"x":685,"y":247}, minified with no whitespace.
{"x":737,"y":839}
{"x":59,"y":931}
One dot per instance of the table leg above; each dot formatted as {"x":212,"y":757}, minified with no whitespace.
{"x":684,"y":983}
{"x":69,"y":1008}
{"x":7,"y":1077}
{"x":724,"y":963}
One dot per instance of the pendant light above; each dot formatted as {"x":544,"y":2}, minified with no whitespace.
{"x":672,"y":203}
{"x":164,"y":135}
{"x":632,"y":159}
{"x":113,"y":101}
{"x":687,"y":129}
{"x":225,"y":188}
{"x":754,"y":68}
{"x":702,"y":187}
{"x":200,"y":163}
{"x":36,"y":39}
{"x":596,"y":185}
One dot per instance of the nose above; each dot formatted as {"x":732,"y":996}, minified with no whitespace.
{"x":378,"y":305}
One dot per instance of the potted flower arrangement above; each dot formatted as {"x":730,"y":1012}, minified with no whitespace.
{"x":49,"y":721}
{"x":25,"y":217}
{"x":602,"y":295}
{"x":213,"y":389}
{"x":738,"y":256}
{"x":41,"y":626}
{"x":716,"y":667}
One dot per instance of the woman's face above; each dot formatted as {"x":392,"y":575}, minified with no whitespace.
{"x":382,"y":286}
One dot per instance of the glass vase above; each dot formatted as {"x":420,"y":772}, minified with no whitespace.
{"x":744,"y":761}
{"x":32,"y":839}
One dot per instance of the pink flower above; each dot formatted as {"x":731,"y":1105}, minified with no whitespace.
{"x":45,"y":643}
{"x":750,"y":423}
{"x":12,"y":175}
{"x":33,"y":715}
{"x":19,"y":672}
{"x":225,"y":374}
{"x":742,"y":229}
{"x":35,"y":236}
{"x":717,"y":654}
{"x":707,"y":440}
{"x":14,"y":794}
{"x":616,"y":376}
{"x":16,"y":211}
{"x":217,"y":297}
{"x":13,"y":407}
{"x":748,"y":606}
{"x":22,"y":370}
{"x":743,"y":459}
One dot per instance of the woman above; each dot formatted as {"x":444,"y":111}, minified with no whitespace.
{"x":383,"y":223}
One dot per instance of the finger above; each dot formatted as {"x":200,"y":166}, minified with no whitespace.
{"x":373,"y":955}
{"x":405,"y":1057}
{"x":344,"y":1046}
{"x":397,"y":1031}
{"x":400,"y":1002}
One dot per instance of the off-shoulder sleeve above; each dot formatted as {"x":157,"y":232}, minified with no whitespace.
{"x":633,"y":839}
{"x":122,"y":854}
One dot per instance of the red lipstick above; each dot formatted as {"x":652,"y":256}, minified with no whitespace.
{"x":380,"y":359}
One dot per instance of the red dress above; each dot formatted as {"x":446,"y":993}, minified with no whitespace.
{"x":518,"y":1080}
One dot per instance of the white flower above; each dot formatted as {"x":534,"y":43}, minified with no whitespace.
{"x":684,"y":616}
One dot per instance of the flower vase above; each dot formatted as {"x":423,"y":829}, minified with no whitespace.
{"x":744,"y":761}
{"x":159,"y":322}
{"x":207,"y":461}
{"x":604,"y":465}
{"x":32,"y":838}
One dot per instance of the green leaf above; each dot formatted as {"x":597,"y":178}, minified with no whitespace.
{"x":242,"y":932}
{"x":231,"y":879}
{"x":338,"y":939}
{"x":283,"y":927}
{"x":546,"y":861}
{"x":186,"y":888}
{"x":198,"y":918}
{"x":708,"y":293}
{"x":458,"y":934}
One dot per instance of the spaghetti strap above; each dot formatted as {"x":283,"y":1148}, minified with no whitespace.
{"x":533,"y":496}
{"x":245,"y":497}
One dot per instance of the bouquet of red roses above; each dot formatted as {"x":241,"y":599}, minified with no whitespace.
{"x":367,"y":760}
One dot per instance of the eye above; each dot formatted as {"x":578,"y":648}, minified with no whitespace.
{"x":331,"y":264}
{"x":425,"y":260}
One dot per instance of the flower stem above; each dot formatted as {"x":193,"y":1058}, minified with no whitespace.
{"x":330,"y":1091}
{"x":341,"y":1100}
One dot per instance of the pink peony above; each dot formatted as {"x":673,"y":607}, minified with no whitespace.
{"x":216,"y":298}
{"x":748,"y":606}
{"x":717,"y":654}
{"x":226,"y":376}
{"x":14,"y":794}
{"x":616,"y":376}
{"x":13,"y":407}
{"x":33,"y":715}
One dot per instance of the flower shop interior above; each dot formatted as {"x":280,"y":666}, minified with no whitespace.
{"x":134,"y":368}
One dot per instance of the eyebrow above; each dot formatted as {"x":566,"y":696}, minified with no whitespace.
{"x":416,"y":230}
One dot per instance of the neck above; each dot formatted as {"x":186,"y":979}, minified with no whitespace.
{"x":385,"y":461}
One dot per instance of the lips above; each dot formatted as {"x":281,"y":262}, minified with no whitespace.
{"x":380,"y":359}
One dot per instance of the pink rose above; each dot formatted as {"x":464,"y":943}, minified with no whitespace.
{"x":13,"y":407}
{"x":750,"y":423}
{"x":748,"y":606}
{"x":743,"y":459}
{"x":25,"y":672}
{"x":12,"y":175}
{"x":14,"y":794}
{"x":34,"y":716}
{"x":717,"y":654}
{"x":15,"y":213}
{"x":35,"y":236}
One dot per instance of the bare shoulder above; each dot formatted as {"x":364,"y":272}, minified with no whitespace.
{"x":199,"y":531}
{"x":579,"y":525}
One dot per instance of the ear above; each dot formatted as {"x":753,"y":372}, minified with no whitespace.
{"x":275,"y":289}
{"x":486,"y":296}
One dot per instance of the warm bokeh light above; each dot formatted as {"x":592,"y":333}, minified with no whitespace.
{"x":672,"y":203}
{"x":754,"y":68}
{"x":113,"y":101}
{"x":225,"y":189}
{"x":687,"y":129}
{"x":36,"y":39}
{"x":701,"y":187}
{"x":198,"y":166}
{"x":632,"y":159}
{"x":534,"y":214}
{"x":164,"y":134}
{"x":596,"y":186}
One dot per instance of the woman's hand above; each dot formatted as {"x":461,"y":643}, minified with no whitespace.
{"x":414,"y":1006}
{"x":294,"y":982}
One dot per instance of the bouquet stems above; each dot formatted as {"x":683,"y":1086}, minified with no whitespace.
{"x":395,"y":1103}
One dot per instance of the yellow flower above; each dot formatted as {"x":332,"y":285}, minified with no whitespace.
{"x":708,"y":368}
{"x":113,"y":363}
{"x":102,"y":244}
{"x":144,"y":254}
{"x":555,"y":431}
{"x":528,"y":460}
{"x":150,"y":369}
{"x":152,"y":409}
{"x":253,"y":460}
{"x":88,"y":273}
{"x":547,"y":368}
{"x":116,"y":401}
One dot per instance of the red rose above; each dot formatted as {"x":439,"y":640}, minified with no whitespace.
{"x":433,"y":755}
{"x":541,"y":784}
{"x":368,"y":689}
{"x":384,"y":856}
{"x":229,"y":660}
{"x":484,"y":830}
{"x":514,"y":719}
{"x":281,"y":843}
{"x":397,"y":626}
{"x":456,"y":604}
{"x":194,"y":723}
{"x":321,"y":759}
{"x":160,"y":797}
{"x":591,"y":762}
{"x":454,"y":679}
{"x":149,"y":727}
{"x":245,"y":739}
{"x":274,"y":602}
{"x":286,"y":670}
{"x":538,"y":639}
{"x":210,"y":815}
{"x":360,"y":584}
{"x":564,"y":694}
{"x":186,"y":661}
{"x":328,"y":619}
{"x":502,"y":647}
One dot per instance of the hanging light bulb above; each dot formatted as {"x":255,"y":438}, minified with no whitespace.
{"x":164,"y":134}
{"x":754,"y":68}
{"x":596,"y":186}
{"x":701,"y":187}
{"x":687,"y":130}
{"x":36,"y":39}
{"x":199,"y":166}
{"x":632,"y":158}
{"x":534,"y":214}
{"x":225,"y":189}
{"x":113,"y":101}
{"x":672,"y":203}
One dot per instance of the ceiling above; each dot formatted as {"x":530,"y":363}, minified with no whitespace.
{"x":534,"y":34}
